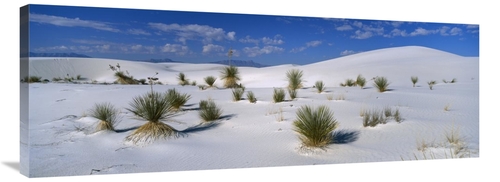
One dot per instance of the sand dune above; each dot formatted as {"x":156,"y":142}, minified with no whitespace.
{"x":250,"y":135}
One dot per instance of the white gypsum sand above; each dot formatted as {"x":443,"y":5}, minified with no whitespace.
{"x":61,"y":141}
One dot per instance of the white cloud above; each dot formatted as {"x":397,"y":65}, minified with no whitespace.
{"x":344,"y":28}
{"x":456,"y":31}
{"x":247,"y":39}
{"x":212,"y":48}
{"x":357,"y":24}
{"x":231,"y":35}
{"x":396,"y":32}
{"x":347,"y":52}
{"x":255,"y":51}
{"x":472,"y":26}
{"x":313,"y":43}
{"x":137,"y":47}
{"x":422,"y":31}
{"x":71,"y":22}
{"x":362,"y":35}
{"x":52,"y":48}
{"x":397,"y":23}
{"x":193,"y":31}
{"x":299,"y":49}
{"x":175,"y":48}
{"x":137,"y":32}
{"x":443,"y":30}
{"x":378,"y":31}
{"x":275,"y":41}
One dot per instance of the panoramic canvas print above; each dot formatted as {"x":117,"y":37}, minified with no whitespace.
{"x":112,"y":91}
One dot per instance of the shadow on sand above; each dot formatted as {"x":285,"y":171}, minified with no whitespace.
{"x":344,"y":136}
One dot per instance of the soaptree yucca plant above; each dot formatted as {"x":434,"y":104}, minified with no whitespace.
{"x":231,"y":76}
{"x":381,"y":84}
{"x":123,"y":78}
{"x":294,"y":77}
{"x":315,"y":126}
{"x":320,"y":86}
{"x":251,"y":97}
{"x":361,"y":81}
{"x":209,"y":111}
{"x":176,"y":99}
{"x":414,"y":80}
{"x":237,"y":93}
{"x":107,"y":115}
{"x":431,"y":84}
{"x":182,"y":79}
{"x":210,"y":80}
{"x":156,"y":109}
{"x":279,"y":95}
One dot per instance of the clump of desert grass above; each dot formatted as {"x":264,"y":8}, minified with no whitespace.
{"x":155,"y":108}
{"x":237,"y":93}
{"x":209,"y":111}
{"x":294,"y":77}
{"x":361,"y":81}
{"x":181,"y":77}
{"x":123,"y":78}
{"x":315,"y":126}
{"x":348,"y":83}
{"x":320,"y":86}
{"x":231,"y":76}
{"x":176,"y":99}
{"x":251,"y":97}
{"x":381,"y":84}
{"x":32,"y":79}
{"x":107,"y":115}
{"x":292,"y":93}
{"x":431,"y":84}
{"x":329,"y":97}
{"x":414,"y":80}
{"x":375,"y":117}
{"x":278,"y":95}
{"x":210,"y":80}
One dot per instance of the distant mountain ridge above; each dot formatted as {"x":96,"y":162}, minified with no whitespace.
{"x":34,"y":54}
{"x":242,"y":63}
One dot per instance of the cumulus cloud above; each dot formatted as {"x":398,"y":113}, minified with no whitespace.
{"x":137,"y":32}
{"x":71,"y":22}
{"x":422,"y":31}
{"x":347,"y":52}
{"x":273,"y":41}
{"x":344,"y":28}
{"x":256,"y":51}
{"x":362,"y":34}
{"x":357,"y":24}
{"x":207,"y":33}
{"x":175,"y":48}
{"x":248,"y":39}
{"x":207,"y":49}
{"x":456,"y":31}
{"x":313,"y":43}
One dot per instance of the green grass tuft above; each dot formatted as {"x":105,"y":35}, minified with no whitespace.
{"x":279,"y":95}
{"x":315,"y":126}
{"x":107,"y":115}
{"x":320,"y":86}
{"x":361,"y":81}
{"x":122,"y":78}
{"x":231,"y":76}
{"x":381,"y":84}
{"x":210,"y":80}
{"x":294,"y":77}
{"x":237,"y":93}
{"x":176,"y":99}
{"x":292,"y":93}
{"x":414,"y":80}
{"x":182,"y":79}
{"x":209,"y":111}
{"x":251,"y":97}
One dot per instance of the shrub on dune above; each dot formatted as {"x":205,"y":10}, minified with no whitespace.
{"x":122,"y":78}
{"x":237,"y":93}
{"x":361,"y":81}
{"x":294,"y":77}
{"x":176,"y":99}
{"x":209,"y":111}
{"x":292,"y":93}
{"x":210,"y":80}
{"x":315,"y":126}
{"x":231,"y":76}
{"x":431,"y":84}
{"x":155,"y":108}
{"x":32,"y":79}
{"x":107,"y":115}
{"x":414,"y":80}
{"x":320,"y":86}
{"x":182,"y":79}
{"x":279,"y":95}
{"x":251,"y":97}
{"x":381,"y":84}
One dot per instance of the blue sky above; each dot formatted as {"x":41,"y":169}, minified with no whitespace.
{"x":204,"y":37}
